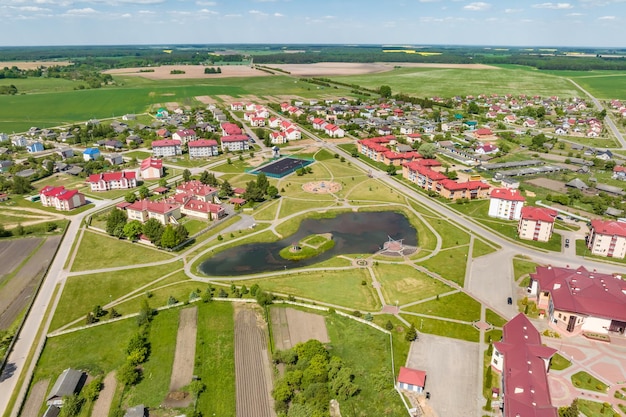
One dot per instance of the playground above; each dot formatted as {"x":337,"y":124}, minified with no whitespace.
{"x":322,"y":187}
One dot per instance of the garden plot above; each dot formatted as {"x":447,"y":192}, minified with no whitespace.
{"x":182,"y":369}
{"x":291,"y":327}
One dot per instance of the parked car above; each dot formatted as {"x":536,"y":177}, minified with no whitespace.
{"x":509,"y":301}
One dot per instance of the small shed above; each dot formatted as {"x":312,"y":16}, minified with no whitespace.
{"x":68,"y":383}
{"x":136,"y":411}
{"x":412,"y":380}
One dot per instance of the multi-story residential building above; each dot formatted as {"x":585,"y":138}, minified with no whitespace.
{"x":536,"y":223}
{"x":505,"y":203}
{"x":235,"y":143}
{"x":151,"y":168}
{"x":166,"y":147}
{"x":60,"y":198}
{"x":203,"y":148}
{"x":106,"y":181}
{"x":607,"y":238}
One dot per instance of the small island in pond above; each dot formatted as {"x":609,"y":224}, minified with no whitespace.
{"x":308,"y":247}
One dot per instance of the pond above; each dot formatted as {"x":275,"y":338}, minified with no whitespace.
{"x":352,"y":232}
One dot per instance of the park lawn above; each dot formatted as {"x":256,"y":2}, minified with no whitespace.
{"x":140,"y":155}
{"x":92,"y":349}
{"x":509,"y":229}
{"x":595,"y":408}
{"x":183,"y":161}
{"x":98,"y":251}
{"x":522,"y":267}
{"x":559,"y":363}
{"x":157,"y":370}
{"x":481,"y":248}
{"x":444,"y":328}
{"x":372,"y":191}
{"x":13,"y":217}
{"x":69,"y":181}
{"x":494,"y":318}
{"x":473,"y":208}
{"x":235,"y":167}
{"x":82,"y":292}
{"x":194,"y":226}
{"x":342,"y":288}
{"x":404,"y":284}
{"x":291,"y":226}
{"x":458,"y":306}
{"x":449,"y":264}
{"x":215,"y":358}
{"x":160,"y":294}
{"x":367,"y":352}
{"x":584,"y":380}
{"x":493,"y":335}
{"x":267,"y":211}
{"x":292,"y":206}
{"x":295,"y":192}
{"x":400,"y":345}
{"x":451,"y":235}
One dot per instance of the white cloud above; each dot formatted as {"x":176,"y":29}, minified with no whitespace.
{"x":206,"y":3}
{"x":81,"y":12}
{"x":607,"y":18}
{"x":554,"y":6}
{"x":147,"y":12}
{"x":513,"y":10}
{"x":232,"y":15}
{"x":33,"y":9}
{"x":278,"y":14}
{"x":428,"y":1}
{"x":207,"y":11}
{"x":574,"y":14}
{"x":477,"y":6}
{"x":257,"y":12}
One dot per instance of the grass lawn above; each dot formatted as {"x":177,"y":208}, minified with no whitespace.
{"x":583,"y":380}
{"x":183,"y":161}
{"x":157,"y":370}
{"x":481,"y":248}
{"x":291,"y":206}
{"x":160,"y":293}
{"x":494,"y":318}
{"x":215,"y":358}
{"x":137,"y":154}
{"x":509,"y":229}
{"x":371,"y":191}
{"x":522,"y":267}
{"x":83,"y":292}
{"x":444,"y":328}
{"x":559,"y":363}
{"x":99,"y":251}
{"x":595,"y":408}
{"x":267,"y":211}
{"x":236,"y":166}
{"x":451,"y":235}
{"x":335,"y":287}
{"x":400,"y":345}
{"x":405,"y":284}
{"x":450,"y":264}
{"x":194,"y":226}
{"x":458,"y":306}
{"x":494,"y":335}
{"x":368,"y":353}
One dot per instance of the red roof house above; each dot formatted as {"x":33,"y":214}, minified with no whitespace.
{"x":120,"y":180}
{"x":60,"y":198}
{"x":411,"y":379}
{"x":151,"y":168}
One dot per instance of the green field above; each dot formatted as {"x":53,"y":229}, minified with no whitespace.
{"x":458,"y":306}
{"x":446,"y":82}
{"x":405,"y":284}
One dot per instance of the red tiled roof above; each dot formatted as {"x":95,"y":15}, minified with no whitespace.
{"x":618,"y":168}
{"x":412,"y":376}
{"x":59,"y":192}
{"x":235,"y":138}
{"x":538,"y":214}
{"x":196,"y":187}
{"x":524,"y":371}
{"x":452,"y":185}
{"x":506,"y":194}
{"x":202,"y":207}
{"x":236,"y":200}
{"x":583,"y":292}
{"x":112,"y":176}
{"x":161,"y":207}
{"x":484,"y":132}
{"x":165,"y":142}
{"x":609,"y":227}
{"x":202,"y":142}
{"x":186,"y":132}
{"x":151,"y":163}
{"x":122,"y":205}
{"x":231,"y":129}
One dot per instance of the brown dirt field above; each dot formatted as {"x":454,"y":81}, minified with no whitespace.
{"x":103,"y":404}
{"x":291,"y":326}
{"x":191,"y":71}
{"x":26,"y":65}
{"x":350,"y":68}
{"x":16,"y":293}
{"x":36,"y":399}
{"x":553,"y":185}
{"x":184,"y":357}
{"x":206,"y":99}
{"x":13,"y":252}
{"x":252,"y":366}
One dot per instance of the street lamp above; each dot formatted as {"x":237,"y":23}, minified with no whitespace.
{"x":422,"y":324}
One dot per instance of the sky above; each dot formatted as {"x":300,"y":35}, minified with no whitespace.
{"x":599,"y":23}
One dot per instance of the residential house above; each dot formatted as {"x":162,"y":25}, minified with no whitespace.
{"x":3,"y":197}
{"x":579,"y":300}
{"x":151,"y":168}
{"x":422,"y":175}
{"x":197,"y":190}
{"x":166,"y":147}
{"x":483,"y":134}
{"x":470,"y":190}
{"x":619,"y":173}
{"x":60,"y":198}
{"x":19,"y":141}
{"x":277,"y":138}
{"x":505,"y":203}
{"x":113,"y":145}
{"x":163,"y":211}
{"x":114,"y":159}
{"x":68,"y":383}
{"x":607,"y":238}
{"x":235,"y":143}
{"x":185,"y":135}
{"x":4,"y":137}
{"x":203,"y":210}
{"x":203,"y":148}
{"x":65,"y":152}
{"x":230,"y":129}
{"x":121,"y":180}
{"x":129,"y":116}
{"x":91,"y":154}
{"x":334,"y":131}
{"x":412,"y":380}
{"x":524,"y":363}
{"x":536,"y":223}
{"x":34,"y":147}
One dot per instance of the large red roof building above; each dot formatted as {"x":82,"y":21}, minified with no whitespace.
{"x":60,"y":198}
{"x":607,"y":238}
{"x":120,"y":180}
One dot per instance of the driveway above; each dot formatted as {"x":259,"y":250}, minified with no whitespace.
{"x":451,"y":367}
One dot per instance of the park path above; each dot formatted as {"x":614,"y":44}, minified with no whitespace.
{"x":103,"y":404}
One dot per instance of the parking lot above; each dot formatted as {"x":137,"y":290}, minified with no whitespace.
{"x":452,"y":373}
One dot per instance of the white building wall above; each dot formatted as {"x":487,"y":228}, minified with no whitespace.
{"x":596,"y":325}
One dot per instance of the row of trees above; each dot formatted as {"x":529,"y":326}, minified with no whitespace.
{"x":168,"y":237}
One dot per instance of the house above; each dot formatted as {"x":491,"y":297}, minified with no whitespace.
{"x":129,"y":116}
{"x":114,"y":159}
{"x":113,"y":145}
{"x":34,"y":147}
{"x":5,"y":165}
{"x":121,"y":180}
{"x":486,"y":149}
{"x":68,"y":383}
{"x":607,"y":238}
{"x":60,"y":198}
{"x":604,"y":155}
{"x":203,"y":210}
{"x":579,"y":300}
{"x":151,"y":168}
{"x":277,"y":138}
{"x":334,"y":131}
{"x":197,"y":190}
{"x":293,"y":133}
{"x":482,"y":133}
{"x":166,"y":147}
{"x":163,"y":211}
{"x":91,"y":154}
{"x":577,"y":183}
{"x":4,"y":137}
{"x":619,"y":173}
{"x":505,"y":203}
{"x":412,"y":380}
{"x":524,"y":363}
{"x":203,"y":148}
{"x":235,"y":143}
{"x":65,"y":152}
{"x":19,"y":141}
{"x":185,"y":135}
{"x":536,"y":223}
{"x":230,"y":129}
{"x":470,"y":190}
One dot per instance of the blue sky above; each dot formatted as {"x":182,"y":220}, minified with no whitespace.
{"x":404,"y":22}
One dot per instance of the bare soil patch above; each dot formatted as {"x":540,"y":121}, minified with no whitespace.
{"x":103,"y":404}
{"x":352,"y":68}
{"x":184,"y":357}
{"x":35,"y":399}
{"x":17,"y":293}
{"x":252,"y":366}
{"x":322,"y":187}
{"x":191,"y":71}
{"x":291,"y":326}
{"x":27,"y":65}
{"x":554,"y":185}
{"x":206,"y":99}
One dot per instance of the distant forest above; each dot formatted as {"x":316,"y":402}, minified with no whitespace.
{"x":107,"y":57}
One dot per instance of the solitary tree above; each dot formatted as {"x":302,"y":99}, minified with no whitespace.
{"x":427,"y":150}
{"x":385,"y":91}
{"x":186,"y":175}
